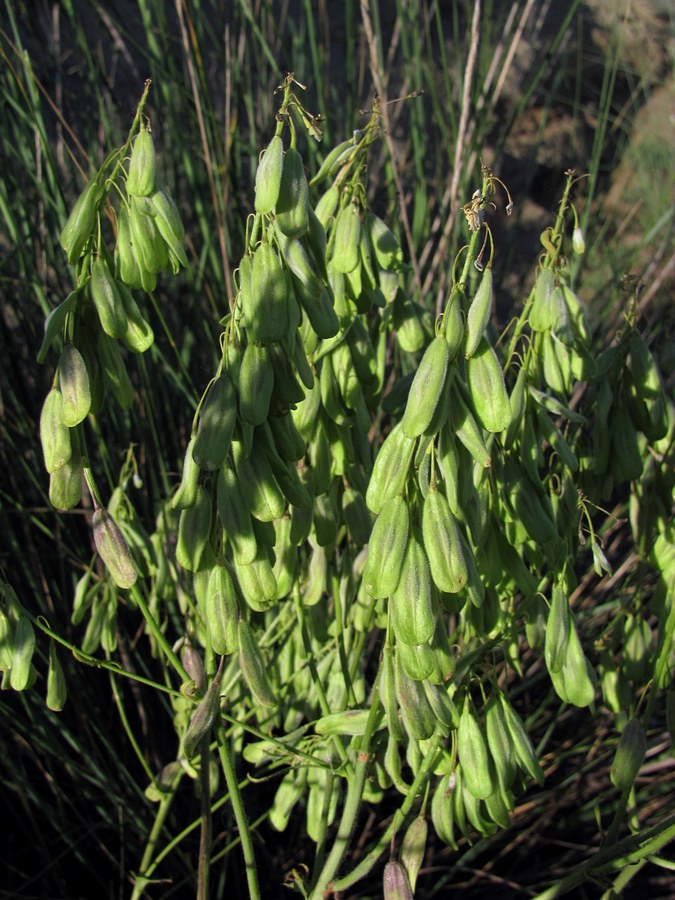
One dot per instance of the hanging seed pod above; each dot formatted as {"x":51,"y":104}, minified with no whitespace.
{"x":113,"y":549}
{"x":292,"y":207}
{"x":80,"y":223}
{"x":443,"y":544}
{"x":345,"y":252}
{"x":65,"y":483}
{"x":235,"y":517}
{"x":426,"y":389}
{"x":266,"y":305}
{"x":127,"y":263}
{"x":149,"y":246}
{"x":629,"y":756}
{"x":139,"y":336}
{"x":413,"y":618}
{"x":268,"y":176}
{"x":57,"y":689}
{"x":142,"y":165}
{"x":54,"y":435}
{"x":74,"y":386}
{"x":543,"y":313}
{"x":485,"y":381}
{"x":256,"y":382}
{"x":395,"y":884}
{"x":114,"y":371}
{"x":204,"y":717}
{"x":479,"y":313}
{"x":170,"y":227}
{"x":194,"y":531}
{"x":390,"y":469}
{"x":221,"y":612}
{"x":473,"y":755}
{"x":413,"y":847}
{"x":22,"y":649}
{"x":107,"y":299}
{"x":217,"y":419}
{"x":386,"y":550}
{"x":253,"y":667}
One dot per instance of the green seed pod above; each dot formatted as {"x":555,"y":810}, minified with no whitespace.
{"x":287,"y":439}
{"x":347,"y":236}
{"x":74,"y":386}
{"x":335,"y":157}
{"x":542,"y":313}
{"x":395,"y":884}
{"x":113,"y":549}
{"x":326,"y":205}
{"x":390,"y":470}
{"x":386,"y":550}
{"x":356,"y":516}
{"x":252,"y":666}
{"x":387,"y":687}
{"x":203,"y":718}
{"x":461,"y":422}
{"x":427,"y":388}
{"x":114,"y":371}
{"x":479,"y":314}
{"x":268,"y":176}
{"x":127,"y":263}
{"x":139,"y":336}
{"x":287,"y":389}
{"x":217,"y":419}
{"x":418,"y":717}
{"x":266,"y":307}
{"x":170,"y":227}
{"x":81,"y":221}
{"x":23,"y":647}
{"x":235,"y":517}
{"x":413,"y":848}
{"x":292,"y":207}
{"x":57,"y":689}
{"x":575,"y":683}
{"x":141,"y":179}
{"x":324,"y":520}
{"x":320,"y":312}
{"x":443,"y":544}
{"x":473,"y":755}
{"x":186,"y":495}
{"x":259,"y":488}
{"x":629,"y":756}
{"x":485,"y":381}
{"x":300,"y":264}
{"x":352,"y":722}
{"x":221,"y":612}
{"x":54,"y":435}
{"x":65,"y":484}
{"x":410,"y":333}
{"x":194,"y":531}
{"x":442,"y":814}
{"x":385,"y":244}
{"x":499,"y":743}
{"x":256,"y":381}
{"x":417,"y":660}
{"x":411,"y":607}
{"x":256,"y":580}
{"x":150,"y":247}
{"x":454,"y":323}
{"x":521,"y":744}
{"x":107,"y":299}
{"x":558,"y":626}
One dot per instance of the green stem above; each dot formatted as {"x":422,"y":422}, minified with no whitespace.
{"x":143,"y":879}
{"x":158,"y":634}
{"x":93,"y":661}
{"x":239,"y":812}
{"x":383,"y":844}
{"x":206,"y":823}
{"x":355,"y":786}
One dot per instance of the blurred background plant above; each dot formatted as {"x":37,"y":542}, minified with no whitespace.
{"x":531,"y":89}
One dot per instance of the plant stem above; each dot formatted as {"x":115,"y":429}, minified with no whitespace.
{"x":158,"y":634}
{"x":383,"y":844}
{"x":225,"y":754}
